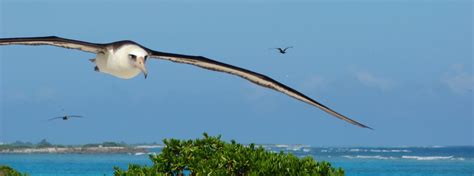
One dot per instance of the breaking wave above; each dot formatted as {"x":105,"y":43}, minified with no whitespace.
{"x":380,"y":150}
{"x":369,"y":157}
{"x":428,"y":158}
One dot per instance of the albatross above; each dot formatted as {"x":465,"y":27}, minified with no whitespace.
{"x":283,"y":50}
{"x":66,"y":117}
{"x":126,"y":59}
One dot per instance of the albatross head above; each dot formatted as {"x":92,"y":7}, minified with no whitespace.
{"x":135,"y":57}
{"x":138,"y":59}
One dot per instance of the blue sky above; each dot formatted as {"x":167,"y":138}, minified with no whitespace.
{"x":403,"y":68}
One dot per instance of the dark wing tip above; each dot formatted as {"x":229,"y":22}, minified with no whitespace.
{"x":361,"y":125}
{"x":54,"y":118}
{"x":368,"y":127}
{"x":358,"y":124}
{"x":354,"y":122}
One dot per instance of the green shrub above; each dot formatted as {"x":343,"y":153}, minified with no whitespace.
{"x":212,"y":156}
{"x":8,"y":171}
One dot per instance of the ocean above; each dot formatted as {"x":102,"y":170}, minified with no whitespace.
{"x":356,"y":161}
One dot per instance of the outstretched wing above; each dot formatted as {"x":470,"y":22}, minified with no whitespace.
{"x":55,"y":41}
{"x":55,"y":118}
{"x":78,"y":116}
{"x":254,"y":77}
{"x":287,"y":48}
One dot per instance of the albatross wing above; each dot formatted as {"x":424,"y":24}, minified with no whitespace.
{"x":254,"y":77}
{"x":55,"y":41}
{"x":55,"y":118}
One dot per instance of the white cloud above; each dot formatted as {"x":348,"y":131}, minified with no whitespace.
{"x":457,"y":79}
{"x":370,"y":80}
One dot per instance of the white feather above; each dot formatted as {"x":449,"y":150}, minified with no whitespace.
{"x":117,"y":63}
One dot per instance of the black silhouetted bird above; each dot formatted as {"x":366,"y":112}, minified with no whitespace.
{"x":66,"y":117}
{"x":283,"y":51}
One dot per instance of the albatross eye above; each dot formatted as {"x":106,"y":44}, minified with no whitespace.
{"x":146,"y":57}
{"x":133,"y":57}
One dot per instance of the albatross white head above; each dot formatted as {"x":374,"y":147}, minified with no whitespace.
{"x":123,"y":60}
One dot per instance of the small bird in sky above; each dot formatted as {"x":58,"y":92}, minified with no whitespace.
{"x":283,"y":50}
{"x":66,"y":117}
{"x":126,"y":59}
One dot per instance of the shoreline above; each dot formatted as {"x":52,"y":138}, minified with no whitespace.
{"x":75,"y":150}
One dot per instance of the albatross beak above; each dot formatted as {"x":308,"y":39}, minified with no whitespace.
{"x":141,"y":66}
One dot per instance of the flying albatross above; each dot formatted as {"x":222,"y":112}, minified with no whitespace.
{"x":66,"y":117}
{"x":283,"y":50}
{"x":126,"y":59}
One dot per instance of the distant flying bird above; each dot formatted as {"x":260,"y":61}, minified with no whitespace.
{"x":66,"y":117}
{"x":283,"y":51}
{"x":126,"y":59}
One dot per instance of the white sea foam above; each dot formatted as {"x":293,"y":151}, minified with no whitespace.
{"x":379,"y":150}
{"x":389,"y":151}
{"x":306,"y":150}
{"x":369,"y":157}
{"x":357,"y":150}
{"x":139,"y":153}
{"x":281,"y":145}
{"x":149,"y":146}
{"x":432,"y":158}
{"x":294,"y":148}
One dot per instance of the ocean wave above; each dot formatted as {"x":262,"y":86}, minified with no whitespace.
{"x":419,"y":158}
{"x":294,"y":148}
{"x":369,"y":157}
{"x":428,"y":158}
{"x":149,"y":146}
{"x":357,"y":150}
{"x":380,"y":150}
{"x":282,"y":145}
{"x":390,"y":151}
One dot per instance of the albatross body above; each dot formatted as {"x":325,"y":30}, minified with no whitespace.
{"x":127,"y":59}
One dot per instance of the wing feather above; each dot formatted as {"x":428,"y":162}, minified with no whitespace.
{"x":55,"y":118}
{"x":55,"y":41}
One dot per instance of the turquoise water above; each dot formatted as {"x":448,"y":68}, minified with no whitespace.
{"x":356,"y":161}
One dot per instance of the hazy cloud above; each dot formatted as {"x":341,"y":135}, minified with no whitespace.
{"x":458,"y":79}
{"x":314,"y":82}
{"x":370,"y":80}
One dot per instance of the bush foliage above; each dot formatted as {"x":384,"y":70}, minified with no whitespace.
{"x":8,"y":171}
{"x":212,"y":156}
